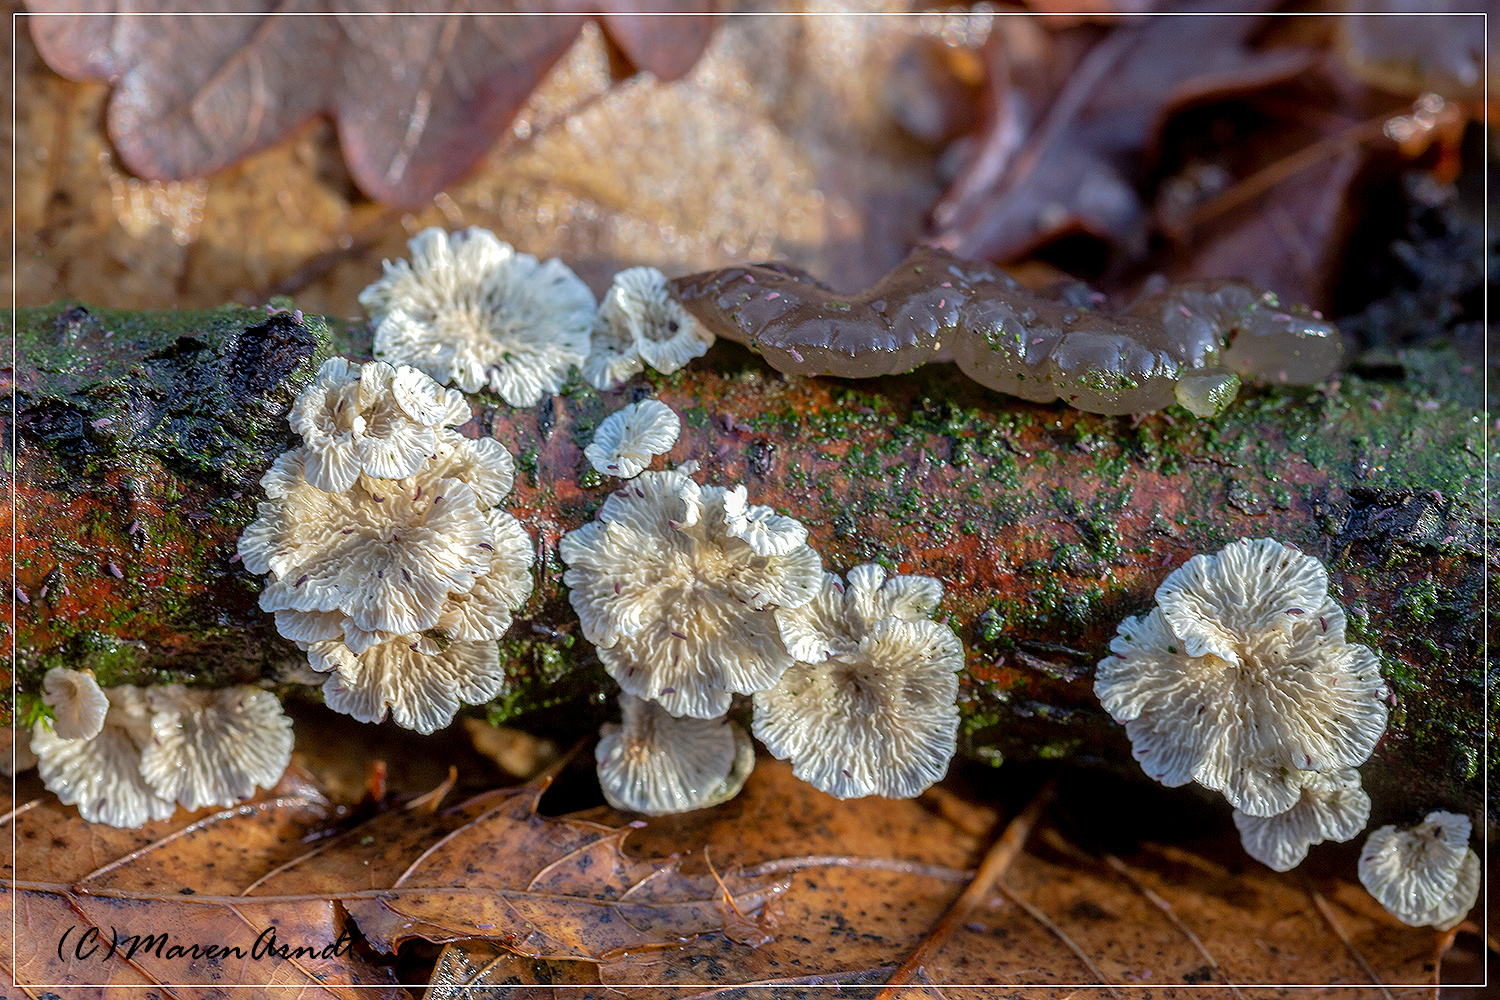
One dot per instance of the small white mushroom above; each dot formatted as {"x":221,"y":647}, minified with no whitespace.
{"x":656,"y":763}
{"x":764,"y":530}
{"x":212,"y":748}
{"x":385,"y":555}
{"x":629,"y":438}
{"x":78,"y":705}
{"x":871,"y":705}
{"x":1273,"y":686}
{"x":880,"y":719}
{"x":422,"y":691}
{"x":1424,"y":876}
{"x":102,"y":775}
{"x":469,"y":310}
{"x":1332,"y":806}
{"x":370,"y":419}
{"x":639,"y":323}
{"x":679,"y":608}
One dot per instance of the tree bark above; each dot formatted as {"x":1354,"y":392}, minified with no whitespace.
{"x":141,"y":437}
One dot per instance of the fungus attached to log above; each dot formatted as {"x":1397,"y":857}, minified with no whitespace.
{"x":1332,"y":806}
{"x":1424,"y":876}
{"x":1242,"y":675}
{"x":212,"y":748}
{"x":639,"y":323}
{"x":78,"y":705}
{"x":678,"y":606}
{"x":629,"y":438}
{"x":371,"y":420}
{"x":871,"y":705}
{"x":469,"y":310}
{"x":1188,"y":345}
{"x":656,"y":763}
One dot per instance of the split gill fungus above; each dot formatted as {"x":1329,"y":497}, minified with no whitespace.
{"x":1190,"y":344}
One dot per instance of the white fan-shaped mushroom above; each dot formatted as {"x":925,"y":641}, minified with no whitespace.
{"x":422,"y":691}
{"x":764,"y":530}
{"x":1332,"y":806}
{"x":387,"y":553}
{"x":101,"y":775}
{"x":629,"y":438}
{"x":1275,"y":687}
{"x":680,"y":609}
{"x":639,"y":323}
{"x":656,"y":763}
{"x":212,"y":748}
{"x":469,"y":310}
{"x":369,"y":419}
{"x":881,"y":719}
{"x":78,"y":705}
{"x":1427,"y":875}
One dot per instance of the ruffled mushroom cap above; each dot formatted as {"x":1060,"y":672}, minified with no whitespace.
{"x":422,"y":691}
{"x":102,"y":775}
{"x":1243,"y":675}
{"x":212,"y":748}
{"x":834,"y":621}
{"x":656,"y":763}
{"x":877,"y":718}
{"x":629,"y":438}
{"x":679,"y":608}
{"x":1426,"y":875}
{"x":372,"y":420}
{"x":640,"y":323}
{"x":1332,"y":807}
{"x":386,"y":556}
{"x":764,"y":530}
{"x":469,"y":310}
{"x":78,"y":705}
{"x":482,"y":463}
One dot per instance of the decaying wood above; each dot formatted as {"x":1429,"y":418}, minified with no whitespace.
{"x":1046,"y":526}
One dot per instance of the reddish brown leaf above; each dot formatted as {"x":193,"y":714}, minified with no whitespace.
{"x":418,"y":100}
{"x":492,"y":868}
{"x":96,"y":905}
{"x":1078,"y":168}
{"x":871,"y":879}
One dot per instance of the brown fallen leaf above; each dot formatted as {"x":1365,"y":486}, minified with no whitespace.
{"x":1078,"y":168}
{"x":157,"y":906}
{"x":870,"y":880}
{"x":418,"y":100}
{"x":492,"y":868}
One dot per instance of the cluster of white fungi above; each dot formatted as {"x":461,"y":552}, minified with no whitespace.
{"x":1241,"y":679}
{"x":388,"y":561}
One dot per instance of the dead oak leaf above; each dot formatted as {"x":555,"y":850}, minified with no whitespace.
{"x":1079,"y":166}
{"x":493,"y":868}
{"x":418,"y":99}
{"x":95,"y":905}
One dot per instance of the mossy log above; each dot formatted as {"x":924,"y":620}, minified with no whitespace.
{"x":141,"y":437}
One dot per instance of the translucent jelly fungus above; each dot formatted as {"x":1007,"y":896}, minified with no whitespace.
{"x":1190,"y":344}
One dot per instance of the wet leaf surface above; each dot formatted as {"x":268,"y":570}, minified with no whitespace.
{"x":418,"y":100}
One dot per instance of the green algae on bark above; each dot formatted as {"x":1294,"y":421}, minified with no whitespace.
{"x":1046,"y":525}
